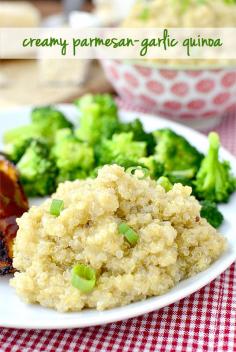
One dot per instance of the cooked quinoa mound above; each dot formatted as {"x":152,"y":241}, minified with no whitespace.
{"x":169,"y":13}
{"x":174,"y":242}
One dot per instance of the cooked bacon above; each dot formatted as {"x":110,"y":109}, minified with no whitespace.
{"x":13,"y":203}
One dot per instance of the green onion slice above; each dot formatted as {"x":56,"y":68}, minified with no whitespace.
{"x":132,"y":170}
{"x":165,"y":183}
{"x":57,"y":206}
{"x":145,"y":14}
{"x":130,"y":235}
{"x":83,"y":277}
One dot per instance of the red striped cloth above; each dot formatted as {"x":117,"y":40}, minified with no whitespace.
{"x":204,"y":321}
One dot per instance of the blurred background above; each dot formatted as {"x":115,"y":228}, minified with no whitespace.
{"x":51,"y":81}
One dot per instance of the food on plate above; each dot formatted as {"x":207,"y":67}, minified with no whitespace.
{"x":74,"y":159}
{"x":121,"y":145}
{"x":37,"y":170}
{"x":48,"y":121}
{"x":29,"y":147}
{"x":210,"y":212}
{"x":99,"y":121}
{"x":98,"y":118}
{"x":214,"y":180}
{"x":165,"y":183}
{"x":109,"y":241}
{"x":13,"y":203}
{"x":45,"y":122}
{"x":51,"y":150}
{"x":180,"y":159}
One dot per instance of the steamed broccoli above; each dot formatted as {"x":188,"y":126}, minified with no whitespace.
{"x":74,"y":159}
{"x":98,"y":118}
{"x":182,"y":176}
{"x":37,"y":171}
{"x":16,"y":150}
{"x":120,"y":146}
{"x":20,"y":133}
{"x":71,"y":175}
{"x":48,"y":121}
{"x":214,"y":180}
{"x":18,"y":139}
{"x":125,"y":162}
{"x":139,"y":134}
{"x":120,"y":160}
{"x":175,"y":152}
{"x":155,"y":168}
{"x":210,"y":212}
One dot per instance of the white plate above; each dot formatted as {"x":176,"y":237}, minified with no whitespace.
{"x":16,"y":314}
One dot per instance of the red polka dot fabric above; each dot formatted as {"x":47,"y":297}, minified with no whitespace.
{"x":202,"y":322}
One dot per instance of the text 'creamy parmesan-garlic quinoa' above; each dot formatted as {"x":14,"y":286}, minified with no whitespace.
{"x":135,"y":239}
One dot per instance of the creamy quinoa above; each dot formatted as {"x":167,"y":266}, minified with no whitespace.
{"x":172,"y":14}
{"x":174,"y":242}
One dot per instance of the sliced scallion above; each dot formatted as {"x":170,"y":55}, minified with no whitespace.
{"x":57,"y":206}
{"x":132,"y":171}
{"x":145,"y":14}
{"x":165,"y":183}
{"x":83,"y":277}
{"x":130,"y":235}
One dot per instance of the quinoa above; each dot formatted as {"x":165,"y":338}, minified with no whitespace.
{"x":174,"y":242}
{"x":173,"y":14}
{"x":167,"y":14}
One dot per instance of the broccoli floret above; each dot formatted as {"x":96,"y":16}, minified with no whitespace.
{"x":37,"y":171}
{"x":74,"y":159}
{"x":65,"y":133}
{"x":155,"y":168}
{"x":165,"y":183}
{"x":94,"y":172}
{"x":48,"y":121}
{"x":139,"y":134}
{"x":20,"y":133}
{"x":211,"y":213}
{"x":175,"y":152}
{"x":71,"y":175}
{"x":120,"y":146}
{"x":214,"y":180}
{"x":16,"y":150}
{"x":121,"y":160}
{"x":98,"y":118}
{"x":182,"y":176}
{"x":18,"y":139}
